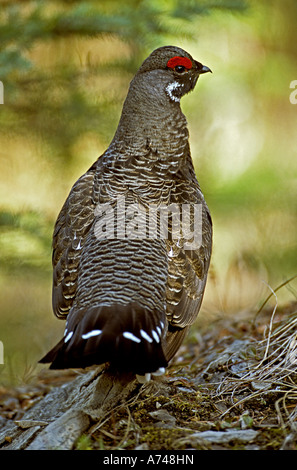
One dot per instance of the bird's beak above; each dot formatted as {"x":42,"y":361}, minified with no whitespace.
{"x":202,"y":68}
{"x":205,"y":69}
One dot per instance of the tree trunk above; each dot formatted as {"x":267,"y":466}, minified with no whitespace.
{"x":66,"y":412}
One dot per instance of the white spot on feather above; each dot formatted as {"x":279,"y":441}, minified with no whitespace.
{"x":146,"y":336}
{"x":68,"y":337}
{"x":170,"y":88}
{"x":132,"y":337}
{"x":155,"y":336}
{"x":91,"y":333}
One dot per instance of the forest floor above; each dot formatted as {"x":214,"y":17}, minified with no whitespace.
{"x":233,"y":388}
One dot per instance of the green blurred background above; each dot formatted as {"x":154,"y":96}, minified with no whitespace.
{"x":66,"y":67}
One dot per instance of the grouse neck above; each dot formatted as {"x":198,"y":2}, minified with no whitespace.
{"x":152,"y":126}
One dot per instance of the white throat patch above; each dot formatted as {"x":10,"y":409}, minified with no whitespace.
{"x":170,"y":88}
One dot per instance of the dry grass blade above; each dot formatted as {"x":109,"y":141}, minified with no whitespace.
{"x":274,"y":371}
{"x":273,"y":292}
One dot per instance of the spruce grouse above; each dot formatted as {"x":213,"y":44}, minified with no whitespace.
{"x":129,"y":284}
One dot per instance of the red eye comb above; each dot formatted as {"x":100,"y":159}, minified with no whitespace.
{"x":175,"y":61}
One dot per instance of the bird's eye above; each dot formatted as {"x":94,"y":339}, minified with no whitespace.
{"x":180,"y":69}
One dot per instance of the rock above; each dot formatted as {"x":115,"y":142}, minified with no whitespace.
{"x":163,"y":418}
{"x":233,"y":351}
{"x":223,"y":437}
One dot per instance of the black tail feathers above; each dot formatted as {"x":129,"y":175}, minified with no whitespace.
{"x":129,"y":337}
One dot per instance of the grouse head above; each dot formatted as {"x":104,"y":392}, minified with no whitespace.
{"x":174,"y":68}
{"x":154,"y":95}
